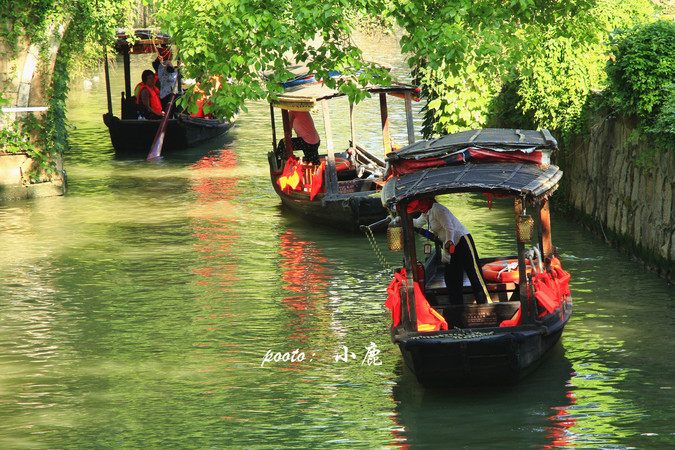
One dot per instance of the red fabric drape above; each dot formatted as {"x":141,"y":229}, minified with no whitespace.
{"x":291,"y":177}
{"x":317,"y":180}
{"x":428,"y":319}
{"x":549,"y":290}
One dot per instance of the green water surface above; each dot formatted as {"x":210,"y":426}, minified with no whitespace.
{"x":136,"y":312}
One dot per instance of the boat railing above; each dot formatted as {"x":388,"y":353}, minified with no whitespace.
{"x":363,"y":156}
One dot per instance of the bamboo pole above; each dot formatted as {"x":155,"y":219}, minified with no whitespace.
{"x":409,"y":118}
{"x":107,"y":80}
{"x":545,"y":230}
{"x":384,"y":115}
{"x":331,"y":172}
{"x":288,"y":134}
{"x":522,"y":269}
{"x":408,"y":305}
{"x":352,"y":124}
{"x":274,"y":128}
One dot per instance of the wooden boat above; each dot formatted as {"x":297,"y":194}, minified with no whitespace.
{"x":497,"y":342}
{"x":343,"y":192}
{"x":133,"y":136}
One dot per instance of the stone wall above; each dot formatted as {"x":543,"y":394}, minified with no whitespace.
{"x":16,"y":185}
{"x":628,"y":206}
{"x":26,"y":70}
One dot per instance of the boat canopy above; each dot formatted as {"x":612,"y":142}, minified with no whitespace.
{"x":500,"y":139}
{"x":143,"y":41}
{"x":505,"y":178}
{"x":483,"y":145}
{"x":492,"y":160}
{"x":304,"y":91}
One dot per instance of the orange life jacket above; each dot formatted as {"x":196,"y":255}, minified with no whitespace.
{"x":155,"y":103}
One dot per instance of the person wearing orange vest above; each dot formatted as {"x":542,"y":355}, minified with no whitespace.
{"x":147,"y":94}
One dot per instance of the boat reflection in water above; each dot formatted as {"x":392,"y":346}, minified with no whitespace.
{"x":305,"y":277}
{"x":540,"y":409}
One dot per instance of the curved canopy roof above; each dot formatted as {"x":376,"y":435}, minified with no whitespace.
{"x":304,"y":91}
{"x":494,"y":160}
{"x":500,"y":139}
{"x":508,"y":178}
{"x":143,"y":41}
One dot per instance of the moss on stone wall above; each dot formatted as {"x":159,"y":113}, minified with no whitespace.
{"x":627,"y":206}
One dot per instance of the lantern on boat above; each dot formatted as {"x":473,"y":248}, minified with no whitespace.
{"x":395,"y":237}
{"x":525,"y":227}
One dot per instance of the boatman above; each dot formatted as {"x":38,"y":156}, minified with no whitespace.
{"x":308,"y":139}
{"x":147,"y":94}
{"x":459,"y":251}
{"x":166,"y":75}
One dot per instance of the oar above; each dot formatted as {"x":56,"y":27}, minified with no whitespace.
{"x":158,"y":143}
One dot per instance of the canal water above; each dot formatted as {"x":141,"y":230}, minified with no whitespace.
{"x":175,"y":304}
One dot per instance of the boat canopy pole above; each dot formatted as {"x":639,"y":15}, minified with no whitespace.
{"x":409,"y":118}
{"x":288,"y":134}
{"x":386,"y":139}
{"x":408,"y":305}
{"x":522,"y":270}
{"x":127,"y":73}
{"x":274,"y":128}
{"x":331,"y":172}
{"x":107,"y":79}
{"x":352,"y":125}
{"x":545,"y":229}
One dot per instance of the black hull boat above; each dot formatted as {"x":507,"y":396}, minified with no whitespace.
{"x":484,"y":356}
{"x":499,"y":342}
{"x":343,"y":192}
{"x":132,"y":137}
{"x":356,"y":203}
{"x":342,"y":211}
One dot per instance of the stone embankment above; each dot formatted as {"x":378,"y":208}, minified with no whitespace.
{"x":629,"y":206}
{"x":26,"y":70}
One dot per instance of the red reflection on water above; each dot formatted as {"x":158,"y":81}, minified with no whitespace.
{"x":559,"y":433}
{"x":213,"y":228}
{"x":305,"y":273}
{"x":215,"y":188}
{"x":225,"y":158}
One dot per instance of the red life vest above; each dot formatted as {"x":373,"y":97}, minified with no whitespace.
{"x":155,"y":104}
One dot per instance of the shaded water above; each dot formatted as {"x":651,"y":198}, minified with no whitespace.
{"x":136,"y":312}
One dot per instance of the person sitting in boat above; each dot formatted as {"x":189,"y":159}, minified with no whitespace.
{"x":459,"y":251}
{"x":307,"y":139}
{"x":147,"y":96}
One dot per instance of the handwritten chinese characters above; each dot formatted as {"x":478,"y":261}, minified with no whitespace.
{"x":370,"y":357}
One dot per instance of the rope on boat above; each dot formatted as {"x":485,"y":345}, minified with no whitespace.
{"x":456,"y":333}
{"x":376,"y":249}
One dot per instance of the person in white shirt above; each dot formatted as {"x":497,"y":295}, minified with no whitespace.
{"x":458,"y":252}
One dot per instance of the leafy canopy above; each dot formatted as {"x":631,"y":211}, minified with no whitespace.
{"x":464,"y":52}
{"x":642,"y":81}
{"x":643,"y":67}
{"x":243,"y":39}
{"x":36,"y":22}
